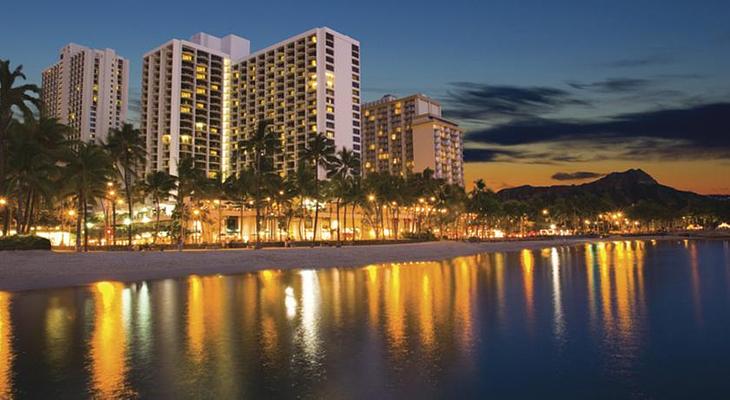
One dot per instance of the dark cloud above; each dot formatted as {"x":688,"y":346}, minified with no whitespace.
{"x":691,"y":132}
{"x":486,"y":155}
{"x":482,"y":102}
{"x":575,"y":176}
{"x":614,"y":85}
{"x":649,"y":60}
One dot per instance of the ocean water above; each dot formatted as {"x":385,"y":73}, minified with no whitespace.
{"x":629,"y":319}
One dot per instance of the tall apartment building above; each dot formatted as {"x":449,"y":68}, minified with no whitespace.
{"x":186,"y":101}
{"x":87,"y":90}
{"x":408,"y":135}
{"x":307,"y":84}
{"x":204,"y":97}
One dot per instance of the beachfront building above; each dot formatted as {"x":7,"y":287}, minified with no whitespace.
{"x":203,"y":98}
{"x":186,"y":101}
{"x":304,"y":85}
{"x":407,"y":135}
{"x":87,"y":90}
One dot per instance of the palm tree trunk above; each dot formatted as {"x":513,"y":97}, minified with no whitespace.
{"x":344,"y":220}
{"x":157,"y":222}
{"x":78,"y":221}
{"x":339,"y":243}
{"x":86,"y":227}
{"x":31,"y":209}
{"x":354,"y":205}
{"x":316,"y":206}
{"x":128,"y":191}
{"x":240,"y":221}
{"x":6,"y":219}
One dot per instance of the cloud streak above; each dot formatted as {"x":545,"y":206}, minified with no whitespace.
{"x":575,"y":176}
{"x":694,"y":131}
{"x":481,"y":102}
{"x":613,"y":85}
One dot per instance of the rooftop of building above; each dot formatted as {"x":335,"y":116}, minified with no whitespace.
{"x":389,"y":98}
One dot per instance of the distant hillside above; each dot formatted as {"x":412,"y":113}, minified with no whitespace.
{"x":621,"y":189}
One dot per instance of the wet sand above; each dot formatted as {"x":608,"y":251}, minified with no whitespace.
{"x":26,"y":270}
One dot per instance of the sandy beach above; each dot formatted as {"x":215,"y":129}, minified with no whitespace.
{"x":26,"y":270}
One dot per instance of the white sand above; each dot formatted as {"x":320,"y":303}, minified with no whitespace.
{"x":24,"y":270}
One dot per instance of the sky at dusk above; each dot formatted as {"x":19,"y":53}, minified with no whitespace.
{"x":549,"y":92}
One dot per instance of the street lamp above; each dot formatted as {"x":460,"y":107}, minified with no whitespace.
{"x":112,"y":194}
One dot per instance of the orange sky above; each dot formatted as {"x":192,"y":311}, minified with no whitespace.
{"x":706,"y":177}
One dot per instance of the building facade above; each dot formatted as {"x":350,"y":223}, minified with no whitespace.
{"x":304,"y":85}
{"x":203,"y":98}
{"x":407,"y":135}
{"x":186,"y":101}
{"x":87,"y":89}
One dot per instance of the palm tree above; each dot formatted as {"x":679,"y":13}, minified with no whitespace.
{"x":127,"y":149}
{"x":12,"y":97}
{"x":20,"y":97}
{"x":35,"y":149}
{"x":190,"y":182}
{"x":239,"y":188}
{"x":302,"y":184}
{"x":262,"y":145}
{"x":342,"y":168}
{"x":158,"y":185}
{"x":86,"y":171}
{"x":320,"y":152}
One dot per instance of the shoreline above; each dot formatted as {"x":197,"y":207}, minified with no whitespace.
{"x":39,"y":269}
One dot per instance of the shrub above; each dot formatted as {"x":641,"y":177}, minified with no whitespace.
{"x":17,"y":242}
{"x":424,"y":236}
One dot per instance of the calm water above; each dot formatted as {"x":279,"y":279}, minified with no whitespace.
{"x":616,"y":319}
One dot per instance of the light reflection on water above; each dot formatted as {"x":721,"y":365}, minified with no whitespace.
{"x":625,"y":318}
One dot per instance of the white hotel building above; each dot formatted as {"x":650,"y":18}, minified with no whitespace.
{"x":185,"y":101}
{"x":203,"y":98}
{"x":87,"y":90}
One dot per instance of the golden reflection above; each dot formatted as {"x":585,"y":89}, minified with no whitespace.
{"x":109,"y":342}
{"x":311,"y":302}
{"x":590,"y":260}
{"x":464,"y":279}
{"x":604,"y":274}
{"x":559,"y":322}
{"x":527,"y":260}
{"x":395,"y":309}
{"x":195,"y":318}
{"x":425,"y":314}
{"x":373,"y":290}
{"x":6,"y":350}
{"x":621,"y":266}
{"x":499,"y":266}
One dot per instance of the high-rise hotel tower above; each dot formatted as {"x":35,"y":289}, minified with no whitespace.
{"x":87,"y":90}
{"x":407,"y":135}
{"x":204,"y":97}
{"x":304,"y":85}
{"x":186,"y":101}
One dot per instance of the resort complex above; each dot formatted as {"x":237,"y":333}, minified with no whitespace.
{"x":274,"y":146}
